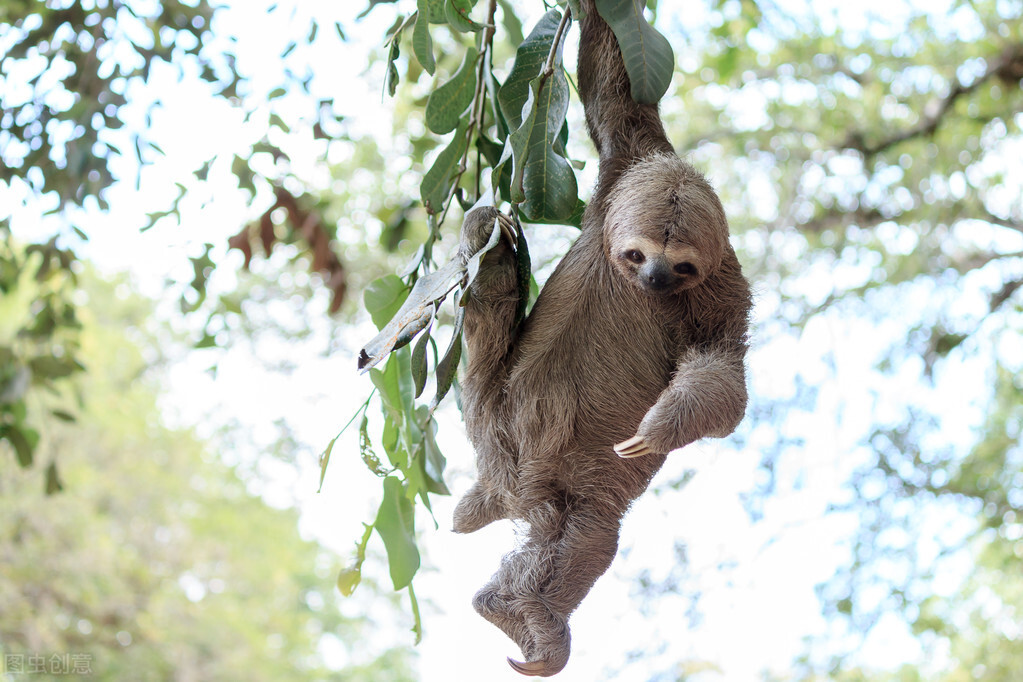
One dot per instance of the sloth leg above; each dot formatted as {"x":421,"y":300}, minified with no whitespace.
{"x":568,"y":551}
{"x":489,"y":337}
{"x":479,"y":507}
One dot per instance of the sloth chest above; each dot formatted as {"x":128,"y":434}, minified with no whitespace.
{"x":588,"y":370}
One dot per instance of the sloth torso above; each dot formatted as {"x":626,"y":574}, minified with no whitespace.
{"x":593,"y":356}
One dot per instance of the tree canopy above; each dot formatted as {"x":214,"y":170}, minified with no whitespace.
{"x":869,"y":167}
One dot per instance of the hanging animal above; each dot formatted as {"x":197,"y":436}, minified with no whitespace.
{"x":634,"y":348}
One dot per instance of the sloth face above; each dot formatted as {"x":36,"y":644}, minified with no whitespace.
{"x":658,"y":268}
{"x":664,"y":230}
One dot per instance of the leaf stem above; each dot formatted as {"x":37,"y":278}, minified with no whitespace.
{"x":566,"y":19}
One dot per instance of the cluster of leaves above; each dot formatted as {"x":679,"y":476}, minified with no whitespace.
{"x":518,"y":131}
{"x":68,"y":71}
{"x":64,"y":73}
{"x":38,"y":344}
{"x":62,"y":93}
{"x":307,"y":225}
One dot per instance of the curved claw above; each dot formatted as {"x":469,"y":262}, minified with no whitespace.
{"x":634,"y":447}
{"x":532,"y":668}
{"x":508,"y":229}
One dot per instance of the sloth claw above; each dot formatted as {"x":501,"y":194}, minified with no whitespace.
{"x":533,"y":668}
{"x":508,"y":229}
{"x":634,"y":447}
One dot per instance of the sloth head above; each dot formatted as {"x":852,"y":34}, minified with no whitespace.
{"x":665,"y":230}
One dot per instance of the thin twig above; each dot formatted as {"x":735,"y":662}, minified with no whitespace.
{"x":566,"y":19}
{"x":476,"y":120}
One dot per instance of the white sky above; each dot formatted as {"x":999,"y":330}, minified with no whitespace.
{"x":754,"y":615}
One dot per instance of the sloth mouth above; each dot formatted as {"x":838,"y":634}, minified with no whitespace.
{"x":659,"y":287}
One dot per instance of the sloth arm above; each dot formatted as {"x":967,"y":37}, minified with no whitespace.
{"x":706,"y":397}
{"x":490,"y":329}
{"x":707,"y":392}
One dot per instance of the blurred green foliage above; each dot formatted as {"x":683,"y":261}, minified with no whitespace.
{"x":869,"y":167}
{"x":157,"y":562}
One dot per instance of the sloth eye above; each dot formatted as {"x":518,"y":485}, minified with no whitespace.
{"x":685,"y":269}
{"x":634,"y":256}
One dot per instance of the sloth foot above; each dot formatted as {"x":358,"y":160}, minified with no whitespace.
{"x":498,"y":610}
{"x":551,"y":644}
{"x":532,"y":668}
{"x":634,"y":447}
{"x":479,"y":226}
{"x":476,"y":509}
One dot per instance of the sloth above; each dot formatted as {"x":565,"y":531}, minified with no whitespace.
{"x":634,"y":348}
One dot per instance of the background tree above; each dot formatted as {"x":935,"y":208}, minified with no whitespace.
{"x":869,"y":168}
{"x":158,"y":563}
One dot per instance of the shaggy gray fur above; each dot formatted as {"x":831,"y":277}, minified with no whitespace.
{"x":607,"y":353}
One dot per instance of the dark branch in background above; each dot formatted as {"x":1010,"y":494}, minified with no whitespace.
{"x":1005,"y":67}
{"x":836,"y":217}
{"x":1003,"y":222}
{"x":1005,"y":293}
{"x":308,"y":226}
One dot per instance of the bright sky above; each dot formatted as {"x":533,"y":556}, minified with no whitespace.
{"x":757,"y":580}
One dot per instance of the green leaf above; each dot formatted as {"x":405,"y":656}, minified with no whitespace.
{"x":422,"y":43}
{"x":439,"y":179}
{"x":50,"y":367}
{"x":529,"y":62}
{"x":63,"y":416}
{"x":350,"y":577}
{"x":575,"y":219}
{"x":436,"y":12}
{"x":414,"y":314}
{"x":384,"y":297}
{"x":457,"y":13}
{"x":419,"y":362}
{"x":501,"y":176}
{"x":387,"y":384}
{"x":390,"y":440}
{"x":369,"y":458}
{"x":446,"y":103}
{"x":447,"y":368}
{"x":433,"y":460}
{"x":395,"y":523}
{"x":391,"y":79}
{"x":23,"y":440}
{"x":648,"y":57}
{"x":417,"y":621}
{"x":543,"y":181}
{"x":325,"y":460}
{"x":53,"y":483}
{"x":512,"y":25}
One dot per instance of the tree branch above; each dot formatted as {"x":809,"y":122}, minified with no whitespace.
{"x":928,"y":124}
{"x":1003,"y":222}
{"x":1005,"y":293}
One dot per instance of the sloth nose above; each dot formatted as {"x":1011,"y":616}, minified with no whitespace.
{"x":657,"y":281}
{"x":657,"y":277}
